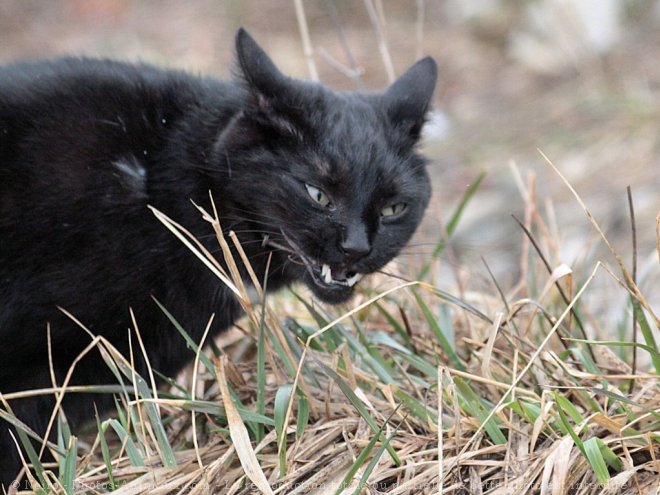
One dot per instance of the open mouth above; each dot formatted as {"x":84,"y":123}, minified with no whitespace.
{"x":337,"y":276}
{"x":322,"y":275}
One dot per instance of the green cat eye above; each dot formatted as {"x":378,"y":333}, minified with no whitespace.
{"x":392,"y":210}
{"x":317,"y":195}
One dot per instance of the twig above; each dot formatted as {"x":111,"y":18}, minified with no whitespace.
{"x":355,"y":70}
{"x":382,"y":42}
{"x":344,"y":69}
{"x":307,"y":43}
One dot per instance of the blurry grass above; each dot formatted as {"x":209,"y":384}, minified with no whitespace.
{"x":315,"y":399}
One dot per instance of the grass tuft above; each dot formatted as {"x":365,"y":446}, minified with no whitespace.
{"x":414,"y":388}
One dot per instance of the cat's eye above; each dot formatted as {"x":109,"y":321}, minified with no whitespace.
{"x":392,"y":210}
{"x":317,"y":195}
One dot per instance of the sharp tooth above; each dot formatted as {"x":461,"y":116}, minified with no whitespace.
{"x":327,"y":276}
{"x":354,"y":279}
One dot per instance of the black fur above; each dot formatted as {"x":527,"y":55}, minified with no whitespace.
{"x":86,"y":145}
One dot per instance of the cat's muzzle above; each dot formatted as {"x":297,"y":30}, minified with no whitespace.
{"x":333,"y":284}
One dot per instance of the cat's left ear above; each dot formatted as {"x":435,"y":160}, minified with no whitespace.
{"x":258,"y":69}
{"x":408,"y":98}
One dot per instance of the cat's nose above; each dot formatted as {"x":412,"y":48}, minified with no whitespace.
{"x":355,"y":243}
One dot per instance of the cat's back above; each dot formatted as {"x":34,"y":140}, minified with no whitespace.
{"x":68,"y":120}
{"x":87,"y":79}
{"x":84,"y":96}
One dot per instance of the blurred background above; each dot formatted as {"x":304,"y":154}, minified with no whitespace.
{"x":578,"y":79}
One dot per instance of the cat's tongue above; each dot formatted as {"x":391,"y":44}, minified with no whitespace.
{"x":339,"y":273}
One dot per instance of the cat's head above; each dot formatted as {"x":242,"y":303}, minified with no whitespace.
{"x":331,"y":178}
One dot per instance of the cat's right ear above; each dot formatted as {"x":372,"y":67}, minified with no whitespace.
{"x":257,"y":68}
{"x":408,"y":98}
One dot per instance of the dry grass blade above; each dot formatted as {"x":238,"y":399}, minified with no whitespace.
{"x":193,"y":390}
{"x":632,"y":286}
{"x":197,"y":249}
{"x":239,"y":434}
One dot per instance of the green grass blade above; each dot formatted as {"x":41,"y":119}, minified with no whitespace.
{"x":457,"y":302}
{"x":144,"y":392}
{"x":567,"y":406}
{"x":161,"y":435}
{"x":359,"y":461}
{"x":131,"y":450}
{"x":647,"y":333}
{"x":105,"y":453}
{"x":609,"y":456}
{"x":303,"y":415}
{"x":414,"y":406}
{"x":24,"y":435}
{"x":454,"y":219}
{"x":478,"y":409}
{"x":282,"y":398}
{"x":400,"y":330}
{"x":68,"y":472}
{"x":191,"y":343}
{"x":261,"y":374}
{"x":586,"y":360}
{"x":303,"y":332}
{"x":173,"y":384}
{"x":655,"y":354}
{"x":210,"y":407}
{"x":283,"y":355}
{"x":625,"y":400}
{"x":363,"y":456}
{"x":320,"y":320}
{"x":376,"y":363}
{"x":447,"y":346}
{"x":63,"y":436}
{"x":595,"y":458}
{"x":419,"y":364}
{"x":372,"y":463}
{"x":566,"y":426}
{"x":359,"y":406}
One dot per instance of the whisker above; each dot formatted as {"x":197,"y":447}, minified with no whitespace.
{"x":415,"y":253}
{"x":250,"y":212}
{"x":242,"y":231}
{"x":394,"y":275}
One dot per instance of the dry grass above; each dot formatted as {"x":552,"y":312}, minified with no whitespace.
{"x":306,"y":399}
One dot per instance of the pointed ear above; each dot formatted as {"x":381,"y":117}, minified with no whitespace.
{"x":257,"y":67}
{"x":408,"y":98}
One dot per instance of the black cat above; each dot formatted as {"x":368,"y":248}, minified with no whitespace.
{"x":327,"y":182}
